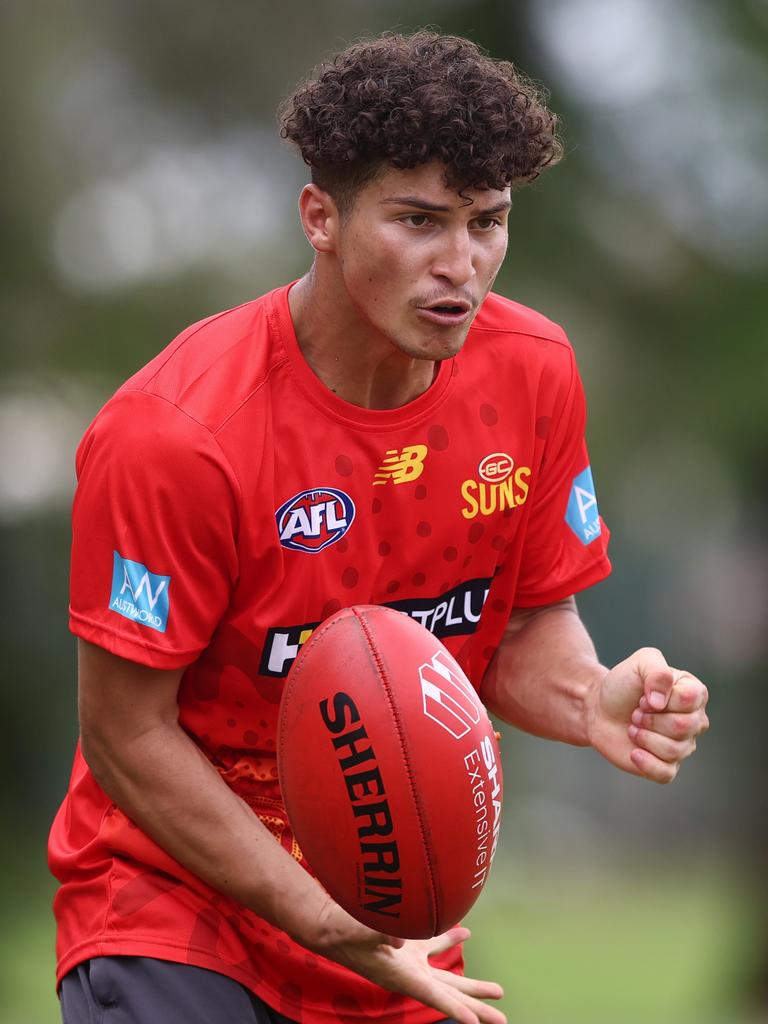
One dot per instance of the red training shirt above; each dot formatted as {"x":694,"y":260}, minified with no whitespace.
{"x":228,"y":502}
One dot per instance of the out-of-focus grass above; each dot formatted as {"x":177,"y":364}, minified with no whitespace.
{"x":27,"y":938}
{"x":664,"y":947}
{"x":669,"y":947}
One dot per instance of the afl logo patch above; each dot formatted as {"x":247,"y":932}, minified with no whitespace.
{"x":315,"y":519}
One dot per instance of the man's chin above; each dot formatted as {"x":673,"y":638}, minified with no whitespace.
{"x":446,"y":347}
{"x":436,"y":347}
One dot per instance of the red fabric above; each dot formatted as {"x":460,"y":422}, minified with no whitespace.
{"x":183,"y":472}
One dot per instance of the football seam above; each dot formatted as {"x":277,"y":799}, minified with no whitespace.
{"x":290,"y":686}
{"x":414,"y":792}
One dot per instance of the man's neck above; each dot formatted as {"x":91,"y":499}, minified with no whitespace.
{"x":348,"y":354}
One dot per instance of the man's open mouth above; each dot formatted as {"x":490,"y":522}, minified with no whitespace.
{"x":448,"y":312}
{"x":449,"y":304}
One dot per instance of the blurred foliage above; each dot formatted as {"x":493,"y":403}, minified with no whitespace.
{"x":142,"y":187}
{"x":584,"y":948}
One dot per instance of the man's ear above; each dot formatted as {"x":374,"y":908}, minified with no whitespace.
{"x":319,"y":218}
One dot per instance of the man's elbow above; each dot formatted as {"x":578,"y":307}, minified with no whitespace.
{"x":99,"y":754}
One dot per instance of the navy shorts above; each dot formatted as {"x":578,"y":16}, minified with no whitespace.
{"x":142,"y":990}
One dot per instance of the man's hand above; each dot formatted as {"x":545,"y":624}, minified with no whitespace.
{"x":645,"y":715}
{"x":642,"y":715}
{"x":402,"y":965}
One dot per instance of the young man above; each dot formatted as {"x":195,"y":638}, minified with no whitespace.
{"x":384,"y":431}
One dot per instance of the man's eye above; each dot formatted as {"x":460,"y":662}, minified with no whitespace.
{"x":487,"y":223}
{"x":417,"y":220}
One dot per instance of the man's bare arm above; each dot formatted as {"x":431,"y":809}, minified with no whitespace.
{"x":145,"y":762}
{"x":642,"y":715}
{"x":542,"y":673}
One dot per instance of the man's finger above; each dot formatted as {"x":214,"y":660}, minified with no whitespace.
{"x":449,"y":939}
{"x":688,"y":694}
{"x":651,"y":767}
{"x":485,"y":1014}
{"x":676,"y":725}
{"x":426,"y":988}
{"x":470,"y":986}
{"x":666,"y":749}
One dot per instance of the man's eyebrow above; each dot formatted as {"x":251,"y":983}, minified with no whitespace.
{"x":505,"y":204}
{"x":423,"y":204}
{"x":418,"y":202}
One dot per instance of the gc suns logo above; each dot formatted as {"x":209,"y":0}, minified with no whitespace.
{"x":315,"y":519}
{"x":501,"y":486}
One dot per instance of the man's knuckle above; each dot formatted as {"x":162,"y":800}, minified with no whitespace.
{"x":680,"y":727}
{"x":687,"y":696}
{"x":651,"y":652}
{"x":675,"y":751}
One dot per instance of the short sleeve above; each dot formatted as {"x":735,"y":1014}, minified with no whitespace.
{"x":566,"y":540}
{"x":154,"y":533}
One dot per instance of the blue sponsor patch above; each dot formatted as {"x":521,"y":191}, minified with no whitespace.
{"x":582,"y":515}
{"x":138,"y":594}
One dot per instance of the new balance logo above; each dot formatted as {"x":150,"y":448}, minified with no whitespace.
{"x":402,"y":467}
{"x":138,"y":594}
{"x":449,"y":697}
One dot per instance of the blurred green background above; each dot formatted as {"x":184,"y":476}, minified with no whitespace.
{"x":144,"y":187}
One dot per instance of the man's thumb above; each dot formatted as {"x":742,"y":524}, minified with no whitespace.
{"x":658,"y":678}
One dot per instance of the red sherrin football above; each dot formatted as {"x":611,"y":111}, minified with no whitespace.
{"x":390,"y":772}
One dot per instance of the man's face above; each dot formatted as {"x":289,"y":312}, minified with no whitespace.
{"x":417,"y":259}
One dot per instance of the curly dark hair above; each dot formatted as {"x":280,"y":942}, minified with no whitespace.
{"x":401,"y":101}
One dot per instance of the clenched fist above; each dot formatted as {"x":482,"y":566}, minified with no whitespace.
{"x":645,"y":715}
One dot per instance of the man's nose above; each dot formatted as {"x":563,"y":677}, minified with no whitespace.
{"x":454,"y":258}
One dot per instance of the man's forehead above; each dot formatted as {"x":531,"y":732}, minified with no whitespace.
{"x":426,"y":186}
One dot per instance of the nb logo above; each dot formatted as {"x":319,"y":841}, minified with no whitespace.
{"x":138,"y":594}
{"x":402,"y":467}
{"x":449,"y":697}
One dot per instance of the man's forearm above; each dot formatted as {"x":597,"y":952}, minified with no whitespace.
{"x":163,"y":782}
{"x":544,"y":674}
